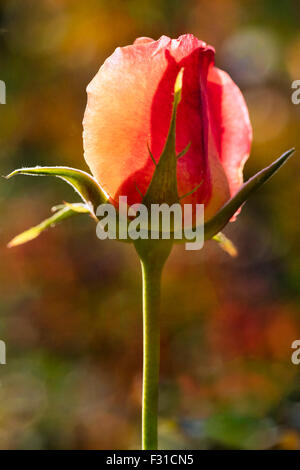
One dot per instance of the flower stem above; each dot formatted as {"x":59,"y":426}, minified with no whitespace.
{"x":151,"y":336}
{"x":153,"y":255}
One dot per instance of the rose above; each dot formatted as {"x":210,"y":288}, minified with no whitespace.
{"x":129,"y":108}
{"x":131,"y":103}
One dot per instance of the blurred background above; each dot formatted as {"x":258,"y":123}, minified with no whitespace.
{"x":70,"y":305}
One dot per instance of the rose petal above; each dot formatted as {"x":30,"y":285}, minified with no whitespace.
{"x":143,"y":40}
{"x":231,"y":131}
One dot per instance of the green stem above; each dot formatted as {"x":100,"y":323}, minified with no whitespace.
{"x":153,"y":255}
{"x":151,"y":304}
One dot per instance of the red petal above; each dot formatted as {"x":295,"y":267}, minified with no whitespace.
{"x":231,"y":132}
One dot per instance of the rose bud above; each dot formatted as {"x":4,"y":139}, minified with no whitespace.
{"x":162,"y":124}
{"x":129,"y":111}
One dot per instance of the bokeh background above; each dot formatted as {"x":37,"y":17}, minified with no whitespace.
{"x":70,"y":305}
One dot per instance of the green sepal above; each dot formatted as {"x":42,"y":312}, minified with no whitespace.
{"x":83,"y":183}
{"x":61,"y":213}
{"x":163,"y":186}
{"x":218,"y":222}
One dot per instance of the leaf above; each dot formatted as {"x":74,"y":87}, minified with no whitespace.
{"x":83,"y":183}
{"x":68,"y":210}
{"x":77,"y":207}
{"x":218,"y":222}
{"x":226,"y":244}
